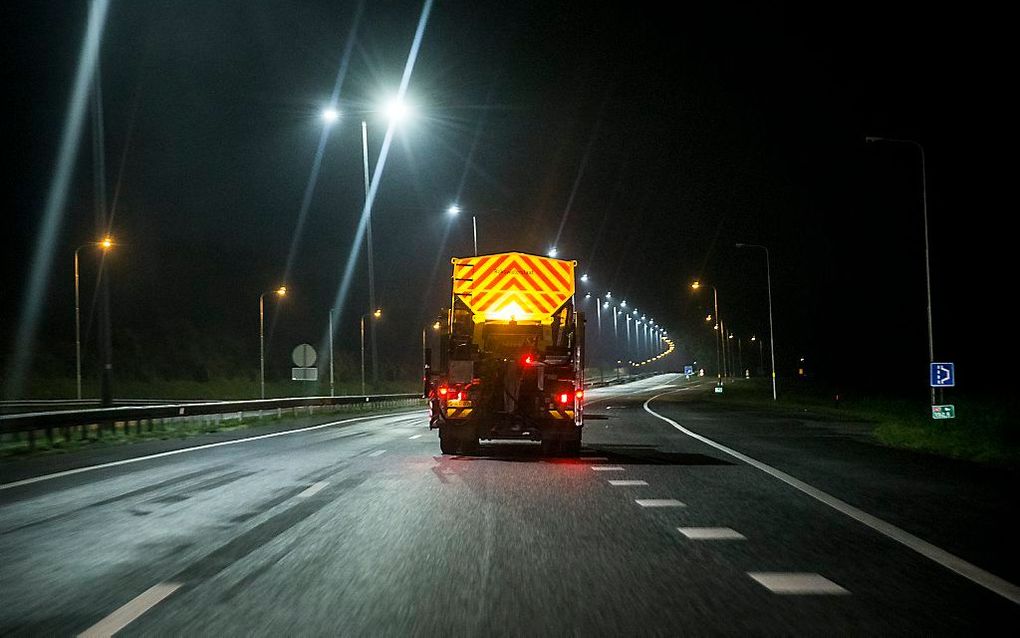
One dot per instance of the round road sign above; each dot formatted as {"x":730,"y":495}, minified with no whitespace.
{"x":303,"y":356}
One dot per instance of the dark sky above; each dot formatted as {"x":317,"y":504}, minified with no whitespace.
{"x":677,"y":133}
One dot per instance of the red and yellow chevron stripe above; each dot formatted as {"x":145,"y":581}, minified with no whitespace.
{"x":513,"y":285}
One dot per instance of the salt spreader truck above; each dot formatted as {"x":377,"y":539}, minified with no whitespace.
{"x":511,"y":356}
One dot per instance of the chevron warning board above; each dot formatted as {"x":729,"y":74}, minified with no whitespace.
{"x":514,"y":286}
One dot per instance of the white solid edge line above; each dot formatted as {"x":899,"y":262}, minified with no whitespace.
{"x":952,"y":562}
{"x":89,"y":468}
{"x":314,"y":488}
{"x":130,"y":612}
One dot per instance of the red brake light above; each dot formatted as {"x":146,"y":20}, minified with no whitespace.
{"x":564,"y":397}
{"x":443,"y":390}
{"x":460,"y":396}
{"x":527,"y":360}
{"x":579,"y":394}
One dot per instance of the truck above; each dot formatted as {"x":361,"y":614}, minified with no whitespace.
{"x":511,"y":355}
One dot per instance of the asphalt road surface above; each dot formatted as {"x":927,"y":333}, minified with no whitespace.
{"x":764,"y":525}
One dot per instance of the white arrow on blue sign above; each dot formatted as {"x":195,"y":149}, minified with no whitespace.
{"x":943,"y":375}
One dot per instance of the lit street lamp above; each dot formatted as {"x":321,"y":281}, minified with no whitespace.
{"x":397,"y":111}
{"x":377,"y":313}
{"x":927,"y":259}
{"x":718,"y":355}
{"x":455,"y":210}
{"x":279,"y":292}
{"x":105,"y":244}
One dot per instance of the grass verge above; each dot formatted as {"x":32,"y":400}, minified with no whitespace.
{"x":982,"y":431}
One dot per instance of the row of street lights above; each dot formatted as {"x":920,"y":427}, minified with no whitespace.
{"x":645,"y":328}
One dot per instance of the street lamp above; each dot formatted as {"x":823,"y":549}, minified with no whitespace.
{"x":718,"y":354}
{"x":280,"y":292}
{"x":927,"y":259}
{"x":455,"y":210}
{"x":377,"y":313}
{"x":768,"y":280}
{"x":105,"y":244}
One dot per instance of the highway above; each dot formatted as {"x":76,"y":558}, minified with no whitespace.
{"x":361,"y":527}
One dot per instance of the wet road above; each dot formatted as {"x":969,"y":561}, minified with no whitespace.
{"x":364,"y":528}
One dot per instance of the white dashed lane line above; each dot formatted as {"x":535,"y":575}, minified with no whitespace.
{"x":377,"y":453}
{"x":415,"y":436}
{"x":607,"y":468}
{"x":127,"y":614}
{"x":658,"y":502}
{"x":627,"y":483}
{"x":797,"y":583}
{"x":312,"y":489}
{"x":711,"y":534}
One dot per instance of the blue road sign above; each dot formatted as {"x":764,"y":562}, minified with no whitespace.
{"x":943,"y":375}
{"x":688,"y":369}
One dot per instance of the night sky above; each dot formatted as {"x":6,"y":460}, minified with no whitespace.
{"x":657,"y":139}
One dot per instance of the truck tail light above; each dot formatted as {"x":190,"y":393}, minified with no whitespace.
{"x":564,"y":398}
{"x":579,"y":395}
{"x":443,"y":391}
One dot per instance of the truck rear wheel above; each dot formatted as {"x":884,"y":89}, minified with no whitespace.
{"x":550,"y":447}
{"x":459,"y":441}
{"x":572,"y":446}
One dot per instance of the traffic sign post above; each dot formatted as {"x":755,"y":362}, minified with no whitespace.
{"x":304,"y":357}
{"x":943,"y":411}
{"x":943,"y":375}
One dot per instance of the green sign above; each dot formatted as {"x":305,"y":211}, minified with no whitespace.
{"x":943,"y":411}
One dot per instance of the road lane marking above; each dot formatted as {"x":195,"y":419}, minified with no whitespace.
{"x":415,"y":436}
{"x":626,"y":483}
{"x":952,"y":562}
{"x":378,"y":452}
{"x":658,"y":502}
{"x":130,"y":612}
{"x":797,"y":583}
{"x":89,"y":468}
{"x":607,"y":468}
{"x":313,"y":489}
{"x":711,"y":534}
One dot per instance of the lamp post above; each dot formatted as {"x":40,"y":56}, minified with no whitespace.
{"x":768,"y":281}
{"x":279,"y":292}
{"x":718,"y":329}
{"x":454,"y":209}
{"x":927,"y":258}
{"x":375,"y":314}
{"x":105,"y":244}
{"x":331,"y":386}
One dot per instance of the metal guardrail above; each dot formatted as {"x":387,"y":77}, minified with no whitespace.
{"x":627,"y":378}
{"x":33,"y":421}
